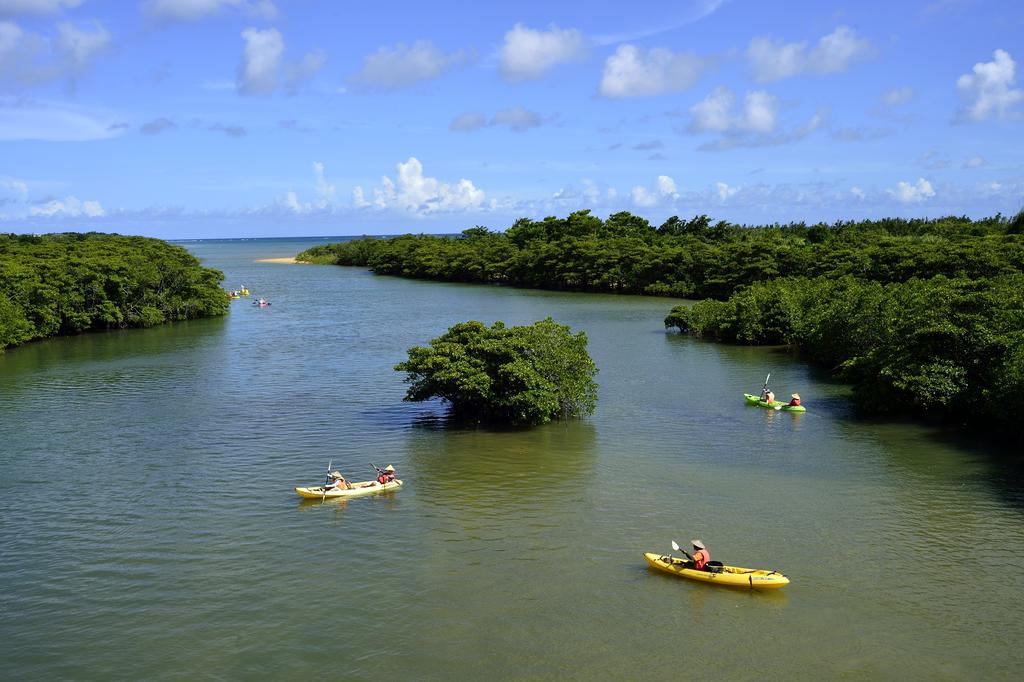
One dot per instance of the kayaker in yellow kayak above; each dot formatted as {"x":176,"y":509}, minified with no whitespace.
{"x":337,"y":481}
{"x":701,"y":555}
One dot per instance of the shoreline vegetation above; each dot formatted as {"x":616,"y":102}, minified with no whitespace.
{"x":924,"y":317}
{"x":69,"y":283}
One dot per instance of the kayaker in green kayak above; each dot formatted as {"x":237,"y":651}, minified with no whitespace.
{"x":795,"y":400}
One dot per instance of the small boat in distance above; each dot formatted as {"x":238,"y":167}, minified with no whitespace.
{"x":261,"y":302}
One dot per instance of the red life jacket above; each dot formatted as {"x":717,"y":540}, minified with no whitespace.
{"x":794,"y":402}
{"x":382,"y":479}
{"x":701,"y":558}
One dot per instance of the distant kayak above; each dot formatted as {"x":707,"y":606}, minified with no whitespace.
{"x":778,"y":404}
{"x":364,"y":488}
{"x":730,"y":576}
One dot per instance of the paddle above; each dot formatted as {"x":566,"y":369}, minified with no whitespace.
{"x":676,"y":547}
{"x":329,"y":463}
{"x":379,"y":471}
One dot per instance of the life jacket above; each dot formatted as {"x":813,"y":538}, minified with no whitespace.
{"x":382,"y":479}
{"x":794,"y":402}
{"x":701,"y":558}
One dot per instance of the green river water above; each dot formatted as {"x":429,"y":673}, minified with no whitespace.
{"x":148,"y":527}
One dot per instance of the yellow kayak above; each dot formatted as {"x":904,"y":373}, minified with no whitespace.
{"x":732,"y":576}
{"x":363,"y":488}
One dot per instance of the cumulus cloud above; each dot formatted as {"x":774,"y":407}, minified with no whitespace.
{"x":715,"y":113}
{"x":634,"y":72}
{"x":989,"y":89}
{"x":157,"y":126}
{"x":28,"y":58}
{"x":195,"y":10}
{"x":322,"y":189}
{"x":858,"y":192}
{"x":908,"y":193}
{"x":835,"y":52}
{"x":664,"y":190}
{"x":262,"y":69}
{"x":413,"y":192}
{"x":70,"y":207}
{"x":751,"y":126}
{"x":528,"y":54}
{"x":391,"y":68}
{"x":302,"y":71}
{"x":974,"y":162}
{"x":261,"y":60}
{"x":725,"y":191}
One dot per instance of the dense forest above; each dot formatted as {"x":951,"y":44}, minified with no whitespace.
{"x":60,"y":284}
{"x":690,"y":259}
{"x":921,"y":316}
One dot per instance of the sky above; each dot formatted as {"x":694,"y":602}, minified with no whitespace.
{"x":247,"y":118}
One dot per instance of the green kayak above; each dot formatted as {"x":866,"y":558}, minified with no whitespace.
{"x":776,"y":405}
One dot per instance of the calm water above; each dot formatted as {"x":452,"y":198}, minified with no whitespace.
{"x":148,"y":529}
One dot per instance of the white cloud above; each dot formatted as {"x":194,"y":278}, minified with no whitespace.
{"x":714,"y":113}
{"x":667,"y":186}
{"x":912,"y":193}
{"x":261,"y":60}
{"x":303,"y":70}
{"x":11,"y":8}
{"x":897,"y":96}
{"x":858,"y":192}
{"x":989,"y":89}
{"x":194,"y":10}
{"x":643,"y":197}
{"x":725,"y":191}
{"x":29,"y":58}
{"x":78,"y":47}
{"x":322,"y":188}
{"x":415,"y":193}
{"x":664,"y":189}
{"x":835,"y":52}
{"x":70,"y":207}
{"x":633,"y":72}
{"x":529,"y":53}
{"x":14,"y":185}
{"x":390,"y":68}
{"x":753,"y":126}
{"x":975,"y":162}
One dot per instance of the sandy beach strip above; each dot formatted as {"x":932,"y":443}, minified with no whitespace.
{"x":289,"y":260}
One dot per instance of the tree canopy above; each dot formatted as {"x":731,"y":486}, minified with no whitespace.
{"x":59,"y":284}
{"x":696,"y":258}
{"x":513,"y":375}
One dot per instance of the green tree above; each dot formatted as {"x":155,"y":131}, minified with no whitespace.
{"x":513,"y":375}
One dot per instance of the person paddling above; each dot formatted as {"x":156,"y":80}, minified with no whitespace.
{"x":795,"y":400}
{"x":337,"y":481}
{"x":701,"y":555}
{"x":386,"y":475}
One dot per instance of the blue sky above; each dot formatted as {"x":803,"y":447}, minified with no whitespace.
{"x":227,"y":118}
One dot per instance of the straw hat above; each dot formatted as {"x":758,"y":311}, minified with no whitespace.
{"x":795,"y":395}
{"x":336,"y":474}
{"x":389,"y":468}
{"x":698,"y":544}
